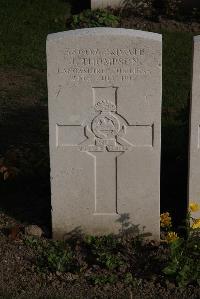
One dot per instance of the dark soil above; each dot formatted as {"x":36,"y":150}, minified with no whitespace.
{"x":20,"y":278}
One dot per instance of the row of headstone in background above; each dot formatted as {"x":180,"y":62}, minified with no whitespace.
{"x":105,"y":96}
{"x":95,"y":4}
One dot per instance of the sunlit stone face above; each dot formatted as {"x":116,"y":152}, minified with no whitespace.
{"x":104,"y":113}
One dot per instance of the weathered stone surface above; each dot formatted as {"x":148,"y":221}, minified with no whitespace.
{"x":194,"y":157}
{"x":95,"y":4}
{"x":104,"y":89}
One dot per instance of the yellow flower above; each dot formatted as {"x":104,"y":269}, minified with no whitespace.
{"x":171,"y":237}
{"x":165,"y":220}
{"x":196,"y":224}
{"x":194,"y":207}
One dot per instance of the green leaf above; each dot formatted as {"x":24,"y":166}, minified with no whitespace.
{"x":177,"y":246}
{"x":171,"y":269}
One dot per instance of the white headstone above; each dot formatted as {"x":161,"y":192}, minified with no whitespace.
{"x":104,"y":89}
{"x":194,"y":158}
{"x":95,"y":4}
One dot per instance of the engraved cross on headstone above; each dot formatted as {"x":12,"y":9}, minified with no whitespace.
{"x":105,"y":138}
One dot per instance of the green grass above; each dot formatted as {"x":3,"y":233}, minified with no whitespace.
{"x":24,"y":27}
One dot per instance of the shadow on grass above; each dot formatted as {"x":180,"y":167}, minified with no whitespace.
{"x":24,"y":136}
{"x":174,"y":166}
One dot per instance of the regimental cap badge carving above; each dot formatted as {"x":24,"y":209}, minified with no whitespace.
{"x":105,"y":125}
{"x":105,"y":106}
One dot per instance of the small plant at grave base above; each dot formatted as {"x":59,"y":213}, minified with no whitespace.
{"x":102,"y":279}
{"x":95,"y":18}
{"x":33,"y":242}
{"x":171,"y":237}
{"x":165,"y":221}
{"x":184,"y":263}
{"x":56,"y":256}
{"x":166,"y":224}
{"x":112,"y":278}
{"x":105,"y":251}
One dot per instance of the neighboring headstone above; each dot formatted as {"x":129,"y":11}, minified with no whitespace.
{"x":95,"y":4}
{"x":194,"y":158}
{"x":105,"y":116}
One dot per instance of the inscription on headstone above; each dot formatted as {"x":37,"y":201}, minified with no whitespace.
{"x":104,"y":112}
{"x":194,"y":159}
